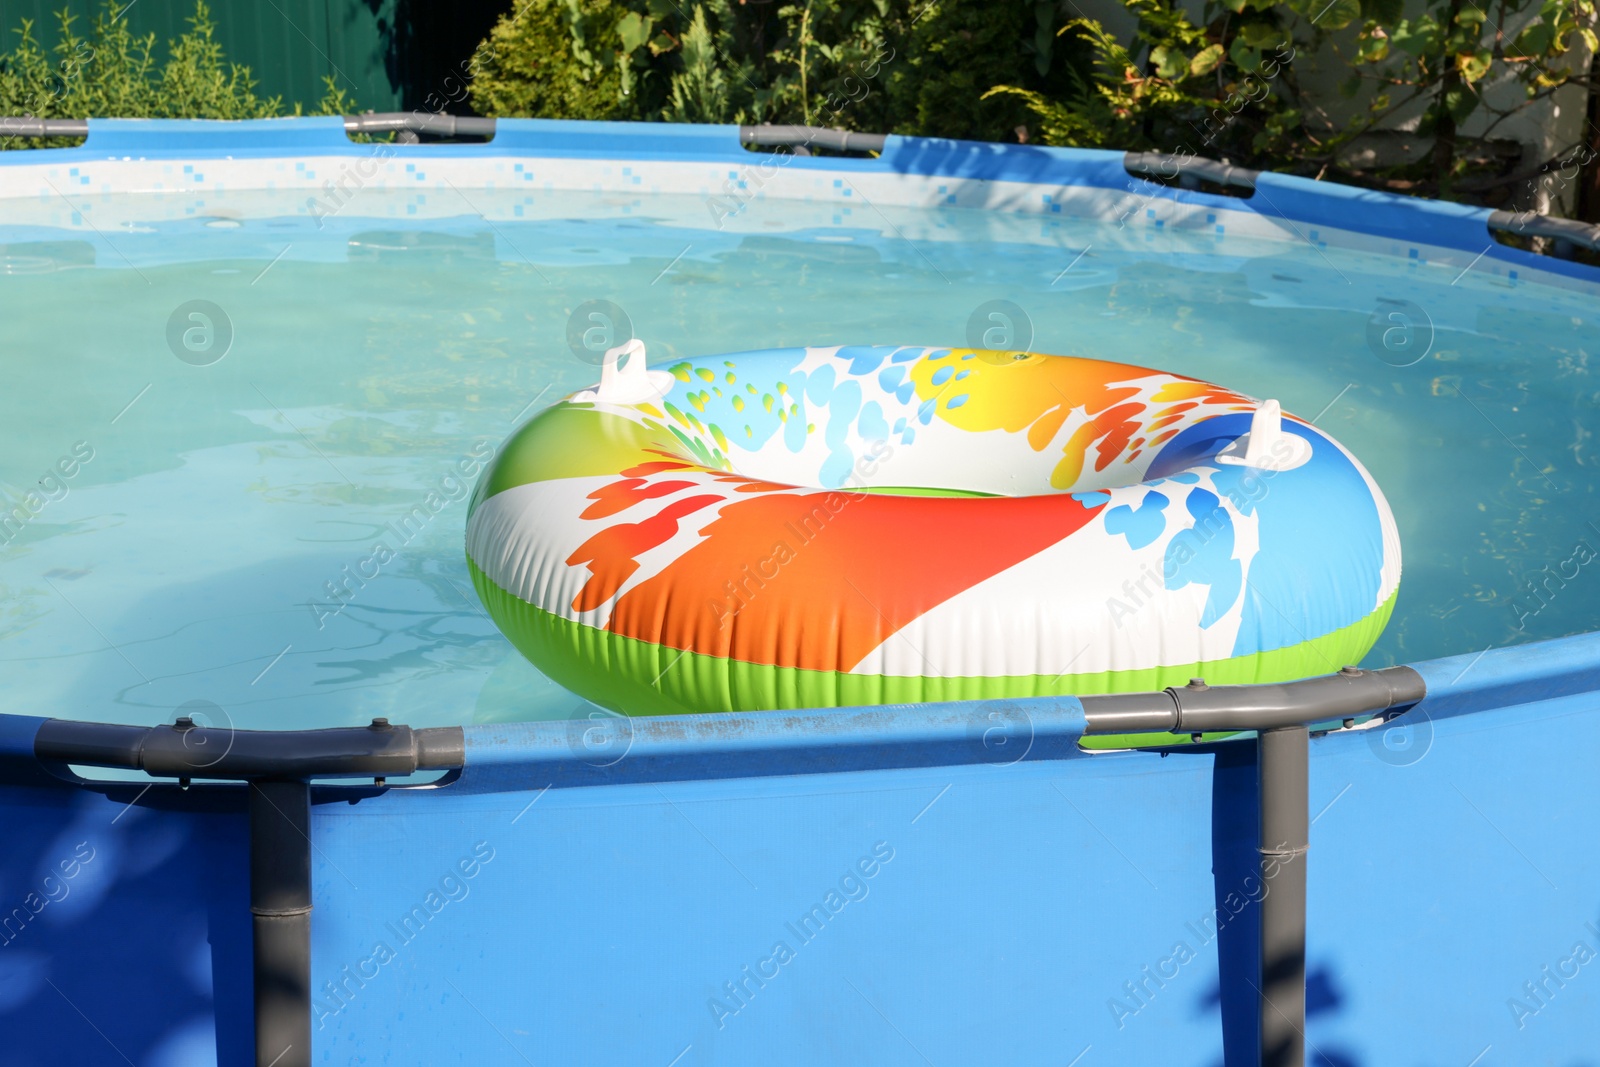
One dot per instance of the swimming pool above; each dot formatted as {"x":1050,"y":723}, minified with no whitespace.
{"x":243,"y":353}
{"x":376,"y":333}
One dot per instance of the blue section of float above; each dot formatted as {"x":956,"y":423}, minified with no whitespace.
{"x":1308,"y":576}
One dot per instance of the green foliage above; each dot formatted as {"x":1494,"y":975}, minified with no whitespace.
{"x":958,"y":52}
{"x":700,"y":90}
{"x":1217,"y":89}
{"x":196,"y":82}
{"x":111,"y":73}
{"x":557,"y":59}
{"x":1450,"y":51}
{"x":915,"y":67}
{"x":1227,"y":86}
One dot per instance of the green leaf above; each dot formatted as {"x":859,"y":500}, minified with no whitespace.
{"x":660,"y":9}
{"x":1416,"y":38}
{"x":1461,"y":103}
{"x":1334,"y":14}
{"x":1170,"y":62}
{"x":1206,"y":61}
{"x":1244,"y":57}
{"x":1043,"y":39}
{"x":634,"y":29}
{"x":1351,"y":85}
{"x":1474,"y":65}
{"x":1533,"y":41}
{"x":1260,"y":35}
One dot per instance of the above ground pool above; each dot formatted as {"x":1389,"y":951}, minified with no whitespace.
{"x":209,"y":494}
{"x":276,"y":791}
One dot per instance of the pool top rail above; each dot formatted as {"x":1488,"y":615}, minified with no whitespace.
{"x":185,"y":750}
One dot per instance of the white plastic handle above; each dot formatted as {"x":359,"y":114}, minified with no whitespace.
{"x":625,"y":377}
{"x":1266,"y":447}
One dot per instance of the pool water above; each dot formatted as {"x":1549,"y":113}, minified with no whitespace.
{"x":191,"y":516}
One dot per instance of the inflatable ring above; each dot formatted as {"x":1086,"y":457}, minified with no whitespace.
{"x":819,"y":527}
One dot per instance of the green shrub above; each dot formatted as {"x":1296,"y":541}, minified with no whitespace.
{"x":112,"y":73}
{"x":871,"y":65}
{"x":1224,"y":88}
{"x":554,"y":59}
{"x":1227,"y":86}
{"x":957,"y":52}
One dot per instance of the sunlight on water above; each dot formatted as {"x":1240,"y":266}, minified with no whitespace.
{"x":188,"y":517}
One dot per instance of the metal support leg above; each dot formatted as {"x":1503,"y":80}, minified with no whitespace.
{"x":1285,"y":828}
{"x":280,"y":908}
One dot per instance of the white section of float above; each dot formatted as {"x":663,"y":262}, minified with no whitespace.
{"x":1073,"y":608}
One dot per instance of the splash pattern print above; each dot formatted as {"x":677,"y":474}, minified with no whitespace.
{"x":812,"y":527}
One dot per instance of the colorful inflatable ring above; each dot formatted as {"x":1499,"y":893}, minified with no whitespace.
{"x":818,"y":527}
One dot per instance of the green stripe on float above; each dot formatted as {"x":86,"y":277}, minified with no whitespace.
{"x":639,"y":678}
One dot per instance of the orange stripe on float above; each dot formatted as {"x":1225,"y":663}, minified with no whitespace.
{"x":622,"y":495}
{"x":612,"y":553}
{"x":818,"y":580}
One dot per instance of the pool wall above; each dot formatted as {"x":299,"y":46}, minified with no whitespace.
{"x":572,"y":899}
{"x":190,"y":164}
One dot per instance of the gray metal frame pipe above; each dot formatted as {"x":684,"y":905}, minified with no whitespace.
{"x":1567,"y":235}
{"x":1198,"y":708}
{"x":436,"y":123}
{"x":1283,"y":763}
{"x":27,"y":126}
{"x":276,"y":765}
{"x":280,"y":919}
{"x":811,"y":137}
{"x":1189,"y":170}
{"x":1282,"y":714}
